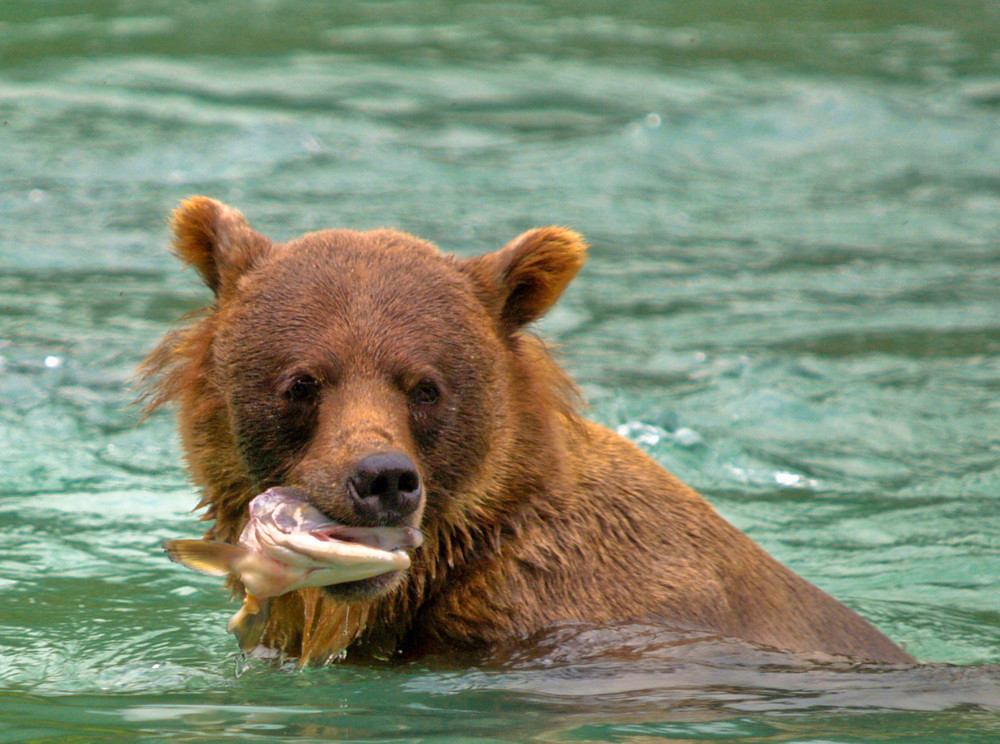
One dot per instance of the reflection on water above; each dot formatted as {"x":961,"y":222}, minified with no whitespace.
{"x":791,"y":303}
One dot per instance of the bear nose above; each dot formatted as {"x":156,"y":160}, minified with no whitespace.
{"x":385,"y":487}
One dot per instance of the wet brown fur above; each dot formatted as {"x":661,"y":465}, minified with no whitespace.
{"x":533,"y":515}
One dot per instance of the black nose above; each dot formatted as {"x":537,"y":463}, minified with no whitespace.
{"x":385,"y":487}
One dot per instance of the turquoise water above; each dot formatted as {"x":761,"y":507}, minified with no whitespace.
{"x":791,"y":302}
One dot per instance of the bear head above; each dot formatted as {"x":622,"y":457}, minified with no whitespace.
{"x":389,"y":382}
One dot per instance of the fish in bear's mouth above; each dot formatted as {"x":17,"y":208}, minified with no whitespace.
{"x":288,"y":544}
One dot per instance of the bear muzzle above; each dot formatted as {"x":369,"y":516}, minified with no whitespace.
{"x":385,"y":489}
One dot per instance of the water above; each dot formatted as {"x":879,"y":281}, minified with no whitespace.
{"x":791,"y":303}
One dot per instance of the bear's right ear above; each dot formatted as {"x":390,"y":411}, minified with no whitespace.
{"x":216,"y":240}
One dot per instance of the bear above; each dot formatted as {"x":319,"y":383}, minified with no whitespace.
{"x":396,"y":385}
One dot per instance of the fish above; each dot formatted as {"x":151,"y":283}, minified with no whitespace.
{"x":288,"y":544}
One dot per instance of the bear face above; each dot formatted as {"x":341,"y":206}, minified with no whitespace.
{"x":354,"y":366}
{"x":367,"y":369}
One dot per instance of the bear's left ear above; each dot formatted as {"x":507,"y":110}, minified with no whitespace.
{"x":216,"y":240}
{"x":522,"y":280}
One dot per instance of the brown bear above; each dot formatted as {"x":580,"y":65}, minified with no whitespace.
{"x":395,"y":385}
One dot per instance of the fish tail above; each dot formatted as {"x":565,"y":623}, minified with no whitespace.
{"x":249,"y":621}
{"x":205,"y":556}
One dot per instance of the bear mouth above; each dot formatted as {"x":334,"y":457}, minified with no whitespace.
{"x":377,"y":539}
{"x":387,"y":539}
{"x":382,"y":539}
{"x":364,"y":589}
{"x":318,"y":551}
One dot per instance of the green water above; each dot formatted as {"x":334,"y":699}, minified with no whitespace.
{"x":792,"y":303}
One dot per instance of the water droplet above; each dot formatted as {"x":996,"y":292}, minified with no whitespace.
{"x":53,"y":362}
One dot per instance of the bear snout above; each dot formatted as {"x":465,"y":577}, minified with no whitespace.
{"x":385,"y":488}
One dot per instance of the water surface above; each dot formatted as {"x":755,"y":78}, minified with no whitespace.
{"x":791,"y":303}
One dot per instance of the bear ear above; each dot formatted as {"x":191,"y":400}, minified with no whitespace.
{"x":525,"y":278}
{"x":216,"y":240}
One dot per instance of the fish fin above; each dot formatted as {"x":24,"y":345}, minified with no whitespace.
{"x":207,"y":557}
{"x":249,"y":621}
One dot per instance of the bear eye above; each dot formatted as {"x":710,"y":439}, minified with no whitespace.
{"x":302,"y":389}
{"x":425,"y":393}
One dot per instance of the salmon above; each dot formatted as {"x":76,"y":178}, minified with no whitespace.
{"x":288,"y":544}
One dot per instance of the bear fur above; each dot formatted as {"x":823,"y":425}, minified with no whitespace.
{"x":338,"y":344}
